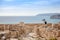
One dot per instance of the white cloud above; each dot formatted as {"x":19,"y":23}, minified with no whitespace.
{"x":16,"y":11}
{"x":13,"y":11}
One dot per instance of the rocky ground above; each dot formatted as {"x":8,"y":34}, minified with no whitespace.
{"x":31,"y":32}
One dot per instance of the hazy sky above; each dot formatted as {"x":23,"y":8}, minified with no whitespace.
{"x":28,"y":7}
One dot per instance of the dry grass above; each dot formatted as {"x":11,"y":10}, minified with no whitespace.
{"x":22,"y":30}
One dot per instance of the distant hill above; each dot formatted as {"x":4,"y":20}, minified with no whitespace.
{"x":52,"y":15}
{"x":48,"y":14}
{"x":55,"y":16}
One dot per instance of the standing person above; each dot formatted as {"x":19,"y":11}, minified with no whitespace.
{"x":45,"y":22}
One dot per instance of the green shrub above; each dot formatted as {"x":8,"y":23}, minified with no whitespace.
{"x":53,"y":39}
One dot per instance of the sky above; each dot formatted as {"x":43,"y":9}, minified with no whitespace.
{"x":28,"y":7}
